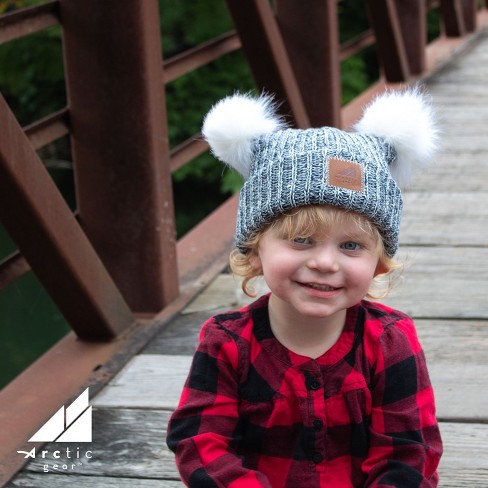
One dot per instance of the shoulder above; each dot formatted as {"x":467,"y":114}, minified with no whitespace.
{"x":235,"y":325}
{"x":388,"y":332}
{"x":227,"y":338}
{"x":380,"y":318}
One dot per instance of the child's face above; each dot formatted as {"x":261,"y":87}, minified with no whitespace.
{"x":319,"y":277}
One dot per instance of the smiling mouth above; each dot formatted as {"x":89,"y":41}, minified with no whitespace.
{"x":316,"y":286}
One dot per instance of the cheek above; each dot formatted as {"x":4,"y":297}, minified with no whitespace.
{"x":278,"y":271}
{"x":362,"y":273}
{"x":255,"y":262}
{"x":368,"y":274}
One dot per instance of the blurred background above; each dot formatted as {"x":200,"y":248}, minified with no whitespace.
{"x":32,"y":82}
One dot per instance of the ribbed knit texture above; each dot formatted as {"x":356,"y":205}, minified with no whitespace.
{"x":290,"y":168}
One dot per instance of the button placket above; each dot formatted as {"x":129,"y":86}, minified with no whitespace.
{"x":315,"y":387}
{"x":318,"y":425}
{"x":312,"y":383}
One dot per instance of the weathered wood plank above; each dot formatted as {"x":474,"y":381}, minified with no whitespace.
{"x":439,"y":282}
{"x":180,"y":336}
{"x":443,"y":283}
{"x":463,"y":463}
{"x":458,"y":171}
{"x":465,"y":143}
{"x":126,"y":444}
{"x":465,"y":72}
{"x":459,"y":384}
{"x":452,"y":219}
{"x":453,"y":113}
{"x":469,"y":93}
{"x":454,"y":341}
{"x":224,"y":293}
{"x":460,"y":390}
{"x":38,"y":480}
{"x":147,"y":381}
{"x":458,"y":365}
{"x":445,"y":340}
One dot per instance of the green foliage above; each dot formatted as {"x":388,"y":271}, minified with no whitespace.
{"x":433,"y":24}
{"x":8,"y":5}
{"x":32,"y":78}
{"x":353,"y":19}
{"x":31,"y":70}
{"x":204,"y":183}
{"x":188,"y":98}
{"x":32,"y":81}
{"x":354,"y":78}
{"x":185,"y":24}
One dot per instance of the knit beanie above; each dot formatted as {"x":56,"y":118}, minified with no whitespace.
{"x":363,"y":170}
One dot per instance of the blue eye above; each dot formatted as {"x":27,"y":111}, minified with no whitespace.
{"x":301,"y":240}
{"x":351,"y":246}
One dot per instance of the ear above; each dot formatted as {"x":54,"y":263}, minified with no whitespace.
{"x":255,"y":261}
{"x":380,"y":269}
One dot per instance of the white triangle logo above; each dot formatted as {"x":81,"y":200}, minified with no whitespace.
{"x":73,"y":424}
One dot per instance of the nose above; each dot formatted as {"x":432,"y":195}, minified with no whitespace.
{"x":324,"y":258}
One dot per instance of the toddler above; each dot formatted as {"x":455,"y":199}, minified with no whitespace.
{"x":313,"y":385}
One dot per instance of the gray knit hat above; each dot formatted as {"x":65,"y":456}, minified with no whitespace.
{"x":362,"y":171}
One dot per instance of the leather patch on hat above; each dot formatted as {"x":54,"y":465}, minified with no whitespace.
{"x":345,"y":174}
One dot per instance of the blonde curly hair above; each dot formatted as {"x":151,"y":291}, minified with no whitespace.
{"x":316,"y":220}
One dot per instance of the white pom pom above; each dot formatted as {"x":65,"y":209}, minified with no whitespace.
{"x":407,"y":121}
{"x":234,"y":122}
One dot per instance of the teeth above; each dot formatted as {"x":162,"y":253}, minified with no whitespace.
{"x":320,"y":287}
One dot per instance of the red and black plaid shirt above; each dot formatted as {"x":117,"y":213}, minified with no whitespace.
{"x":254,"y":414}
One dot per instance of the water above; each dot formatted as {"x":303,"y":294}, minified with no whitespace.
{"x":30,"y":322}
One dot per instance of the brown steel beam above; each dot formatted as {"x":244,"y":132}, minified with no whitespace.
{"x":28,"y":20}
{"x":389,"y":39}
{"x":311,"y":36}
{"x":186,"y":151}
{"x":48,"y":235}
{"x":11,"y":268}
{"x":413,"y":25}
{"x":209,"y":241}
{"x":354,"y":45}
{"x":29,"y":400}
{"x":48,"y":129}
{"x":469,"y":8}
{"x":197,"y":57}
{"x":120,"y":144}
{"x":267,"y":57}
{"x":453,"y":18}
{"x":432,"y":4}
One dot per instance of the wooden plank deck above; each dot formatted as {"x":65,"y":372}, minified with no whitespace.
{"x":445,"y":241}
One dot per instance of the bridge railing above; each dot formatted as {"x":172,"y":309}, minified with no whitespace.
{"x":117,"y":256}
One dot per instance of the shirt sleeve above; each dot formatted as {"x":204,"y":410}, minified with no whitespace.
{"x":202,"y":430}
{"x":405,"y":442}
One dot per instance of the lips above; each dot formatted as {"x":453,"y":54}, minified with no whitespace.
{"x":319,"y":287}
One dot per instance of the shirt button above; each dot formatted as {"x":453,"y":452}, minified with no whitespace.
{"x":314,"y":384}
{"x":317,"y":458}
{"x":318,"y":425}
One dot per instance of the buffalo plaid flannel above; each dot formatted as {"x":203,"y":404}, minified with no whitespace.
{"x":254,"y":414}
